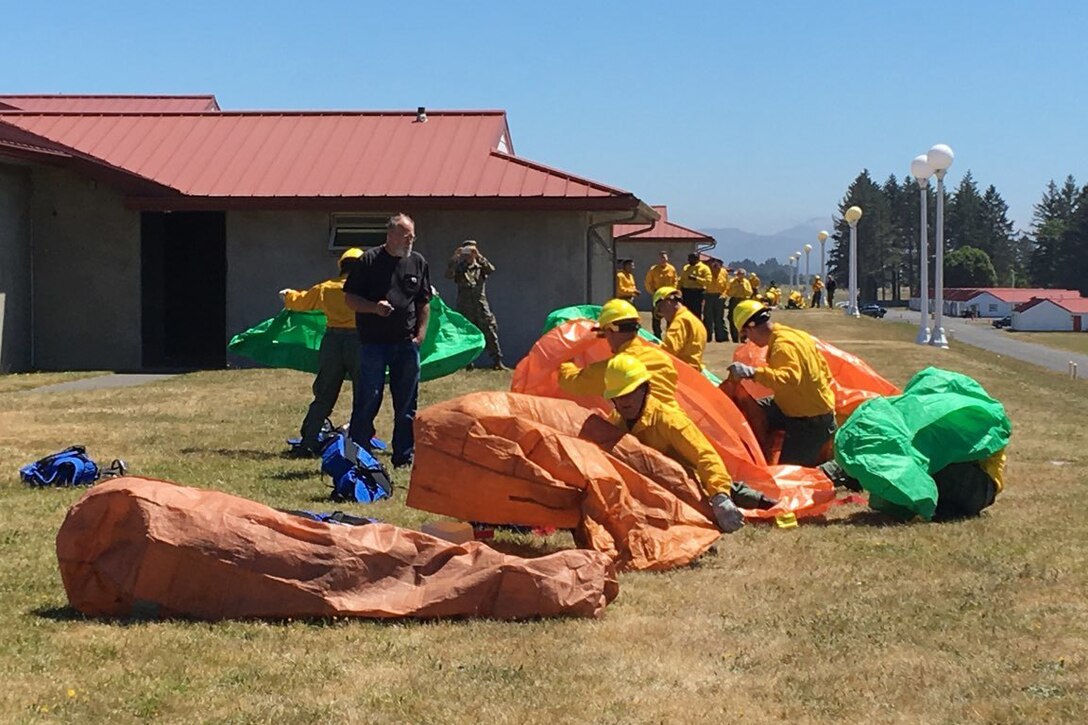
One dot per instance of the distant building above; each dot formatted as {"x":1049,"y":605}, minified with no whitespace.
{"x":142,"y":232}
{"x":1061,"y":315}
{"x":992,"y":301}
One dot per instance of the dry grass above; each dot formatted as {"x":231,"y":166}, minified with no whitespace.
{"x":853,"y":620}
{"x":1071,"y":341}
{"x":14,"y":382}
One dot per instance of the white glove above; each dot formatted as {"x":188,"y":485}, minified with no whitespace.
{"x":742,"y":370}
{"x":284,"y":291}
{"x":726,"y":514}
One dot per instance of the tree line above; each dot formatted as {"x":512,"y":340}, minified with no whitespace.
{"x":981,"y":247}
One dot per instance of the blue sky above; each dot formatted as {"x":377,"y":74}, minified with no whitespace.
{"x":747,"y":114}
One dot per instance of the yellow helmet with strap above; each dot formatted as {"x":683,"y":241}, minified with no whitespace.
{"x":745,"y":310}
{"x":623,"y":375}
{"x":615,"y":311}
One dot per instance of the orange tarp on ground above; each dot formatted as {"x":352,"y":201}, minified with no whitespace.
{"x":806,"y":492}
{"x":520,"y":459}
{"x":140,"y":546}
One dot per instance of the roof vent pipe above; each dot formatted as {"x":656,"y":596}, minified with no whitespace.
{"x":421,"y":114}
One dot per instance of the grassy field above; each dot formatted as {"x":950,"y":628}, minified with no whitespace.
{"x":1071,"y":341}
{"x":849,"y":619}
{"x":27,"y":381}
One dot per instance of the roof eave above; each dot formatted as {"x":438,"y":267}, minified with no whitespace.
{"x":382,"y":203}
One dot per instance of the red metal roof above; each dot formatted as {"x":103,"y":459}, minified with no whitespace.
{"x":78,"y":103}
{"x":1077,"y":305}
{"x":1023,"y":294}
{"x":313,"y":155}
{"x":662,"y":231}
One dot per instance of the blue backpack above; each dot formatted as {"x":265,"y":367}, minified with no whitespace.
{"x":70,"y":467}
{"x":356,"y":475}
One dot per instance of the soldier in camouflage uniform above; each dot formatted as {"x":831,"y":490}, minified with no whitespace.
{"x":469,"y":270}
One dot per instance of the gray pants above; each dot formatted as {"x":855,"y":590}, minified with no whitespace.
{"x":714,"y":317}
{"x":338,"y":358}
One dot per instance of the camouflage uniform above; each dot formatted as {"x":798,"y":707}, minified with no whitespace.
{"x":470,"y":277}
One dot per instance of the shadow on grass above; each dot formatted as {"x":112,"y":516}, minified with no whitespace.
{"x":241,"y":454}
{"x":296,"y":475}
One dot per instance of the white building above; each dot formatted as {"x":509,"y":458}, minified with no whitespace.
{"x":1039,"y":315}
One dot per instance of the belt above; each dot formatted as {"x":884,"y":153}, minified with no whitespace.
{"x":340,"y":330}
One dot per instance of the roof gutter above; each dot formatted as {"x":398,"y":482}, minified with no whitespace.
{"x":592,"y":235}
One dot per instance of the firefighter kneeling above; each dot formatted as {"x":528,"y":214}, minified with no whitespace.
{"x":667,"y":429}
{"x":803,"y":405}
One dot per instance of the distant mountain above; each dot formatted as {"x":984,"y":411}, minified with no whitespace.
{"x":736,"y":243}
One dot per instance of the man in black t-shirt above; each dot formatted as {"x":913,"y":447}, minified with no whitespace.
{"x":390,"y":292}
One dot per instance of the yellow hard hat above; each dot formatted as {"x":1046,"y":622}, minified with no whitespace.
{"x":353,"y":253}
{"x":623,"y":375}
{"x":745,"y":310}
{"x":616,"y":311}
{"x":663,"y":292}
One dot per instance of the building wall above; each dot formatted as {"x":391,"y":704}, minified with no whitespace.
{"x":86,"y":259}
{"x":989,"y":306}
{"x":645,"y":256}
{"x":14,"y":268}
{"x":1045,"y":316}
{"x":540,"y":260}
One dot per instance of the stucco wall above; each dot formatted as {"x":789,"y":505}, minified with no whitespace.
{"x":14,"y":268}
{"x":86,"y":274}
{"x":645,"y":256}
{"x":540,"y":260}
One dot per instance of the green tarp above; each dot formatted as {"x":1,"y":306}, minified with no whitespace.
{"x":592,"y":312}
{"x":292,"y":339}
{"x":894,"y":445}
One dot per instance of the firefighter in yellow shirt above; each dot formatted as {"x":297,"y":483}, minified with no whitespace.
{"x":754,"y":282}
{"x":668,"y":430}
{"x":339,"y":353}
{"x":739,"y":290}
{"x":619,"y":325}
{"x":817,"y":291}
{"x":694,"y":279}
{"x":685,"y":335}
{"x":626,"y":289}
{"x":714,"y":302}
{"x":662,"y":274}
{"x":803,"y":405}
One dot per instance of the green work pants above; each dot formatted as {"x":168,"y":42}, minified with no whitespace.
{"x":338,"y":358}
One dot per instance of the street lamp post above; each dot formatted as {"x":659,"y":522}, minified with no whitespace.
{"x":921,"y":171}
{"x":808,"y":250}
{"x":939,"y":159}
{"x":797,"y":262}
{"x":792,"y":283}
{"x":852,"y":215}
{"x":822,"y":237}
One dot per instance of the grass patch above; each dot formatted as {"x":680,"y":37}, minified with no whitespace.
{"x":1071,"y":341}
{"x":983,"y":620}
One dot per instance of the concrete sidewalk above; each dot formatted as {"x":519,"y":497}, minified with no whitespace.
{"x":101,"y":382}
{"x":982,"y":334}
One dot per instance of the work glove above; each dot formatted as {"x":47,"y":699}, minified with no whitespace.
{"x":742,"y":370}
{"x":747,"y":497}
{"x":726,"y":514}
{"x":284,"y":291}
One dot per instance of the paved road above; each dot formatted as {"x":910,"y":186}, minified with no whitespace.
{"x":981,"y":333}
{"x":101,"y":382}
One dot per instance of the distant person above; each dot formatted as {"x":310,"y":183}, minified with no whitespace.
{"x":338,"y":356}
{"x":694,"y":279}
{"x":390,"y":292}
{"x":831,"y":286}
{"x":685,"y":335}
{"x":803,"y":405}
{"x":469,"y":270}
{"x":740,"y":289}
{"x":754,"y":282}
{"x":626,"y":289}
{"x":662,"y":274}
{"x":773,"y":295}
{"x":817,"y":292}
{"x":714,"y":303}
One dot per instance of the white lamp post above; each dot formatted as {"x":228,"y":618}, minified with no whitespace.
{"x":852,"y":215}
{"x":792,"y":283}
{"x":921,"y":171}
{"x":808,"y":250}
{"x":797,"y":261}
{"x":822,"y":238}
{"x":939,"y":159}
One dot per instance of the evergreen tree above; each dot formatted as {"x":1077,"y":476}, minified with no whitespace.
{"x":874,"y":235}
{"x":965,"y":218}
{"x":969,"y":267}
{"x":998,"y":241}
{"x":1051,"y":217}
{"x":1074,"y":246}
